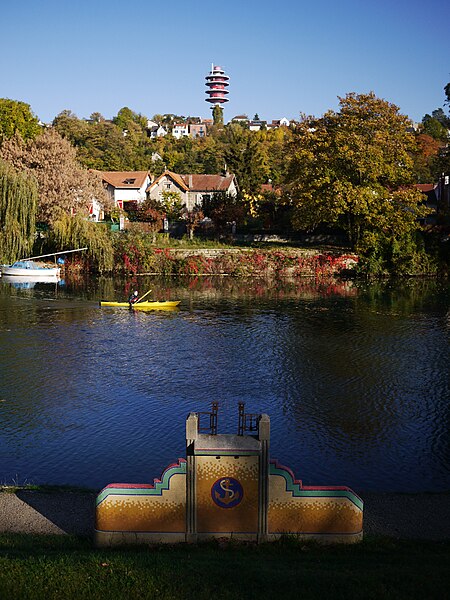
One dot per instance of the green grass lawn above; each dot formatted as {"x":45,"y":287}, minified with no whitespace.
{"x":59,"y":567}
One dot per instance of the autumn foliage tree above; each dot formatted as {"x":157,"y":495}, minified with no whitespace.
{"x":152,"y":213}
{"x":65,"y":187}
{"x":426,"y":158}
{"x":192,"y":219}
{"x":223,"y":209}
{"x":352,"y":168}
{"x":64,"y":191}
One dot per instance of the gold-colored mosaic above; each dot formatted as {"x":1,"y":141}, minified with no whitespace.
{"x":240,"y":518}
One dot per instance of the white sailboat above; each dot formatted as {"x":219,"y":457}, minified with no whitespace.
{"x":32,"y":270}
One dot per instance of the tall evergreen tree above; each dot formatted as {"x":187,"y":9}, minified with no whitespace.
{"x":243,"y":157}
{"x":217,"y":114}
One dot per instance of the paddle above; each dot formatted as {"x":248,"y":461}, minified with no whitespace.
{"x":142,"y":297}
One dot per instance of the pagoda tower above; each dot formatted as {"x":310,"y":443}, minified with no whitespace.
{"x":216,"y":84}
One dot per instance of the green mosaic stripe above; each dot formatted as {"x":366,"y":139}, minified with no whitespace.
{"x":299,"y":492}
{"x":156,"y":490}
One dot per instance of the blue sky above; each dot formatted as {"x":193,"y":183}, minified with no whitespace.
{"x":284,"y":58}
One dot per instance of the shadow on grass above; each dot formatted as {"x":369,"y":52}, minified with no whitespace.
{"x":71,"y":567}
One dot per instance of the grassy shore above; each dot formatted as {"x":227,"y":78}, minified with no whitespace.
{"x":60,"y":567}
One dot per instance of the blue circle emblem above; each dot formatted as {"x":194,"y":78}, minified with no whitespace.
{"x":227,"y":492}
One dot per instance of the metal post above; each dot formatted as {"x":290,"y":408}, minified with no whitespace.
{"x":192,"y":423}
{"x":263,"y":492}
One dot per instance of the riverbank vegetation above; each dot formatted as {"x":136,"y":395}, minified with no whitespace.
{"x":350,"y":175}
{"x":136,"y":254}
{"x":34,"y":567}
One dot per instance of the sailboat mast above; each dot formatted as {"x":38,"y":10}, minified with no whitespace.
{"x":54,"y":254}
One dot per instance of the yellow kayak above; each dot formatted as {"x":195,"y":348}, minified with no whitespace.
{"x":163,"y":305}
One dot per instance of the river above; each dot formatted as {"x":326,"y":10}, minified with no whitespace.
{"x":355,"y":378}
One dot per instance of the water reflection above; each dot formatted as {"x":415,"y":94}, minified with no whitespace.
{"x":354,"y":377}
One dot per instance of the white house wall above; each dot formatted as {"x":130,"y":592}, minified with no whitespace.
{"x":179,"y":132}
{"x":232,"y":190}
{"x":96,"y":211}
{"x":129,"y":195}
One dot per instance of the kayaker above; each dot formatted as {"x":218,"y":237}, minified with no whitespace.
{"x":133,"y":298}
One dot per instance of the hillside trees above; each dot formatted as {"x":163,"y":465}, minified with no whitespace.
{"x":274,"y":146}
{"x":351,"y":169}
{"x":426,"y":158}
{"x":107,"y":149}
{"x":70,"y":127}
{"x":130,"y":122}
{"x":243,"y":157}
{"x":433,"y":139}
{"x":16,"y":118}
{"x":120,"y":145}
{"x":187,"y":155}
{"x":211,"y":153}
{"x":440,"y":115}
{"x":443,"y":162}
{"x":123,"y":145}
{"x":435,"y":127}
{"x":18,"y":206}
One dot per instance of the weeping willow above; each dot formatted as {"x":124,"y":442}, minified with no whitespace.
{"x":71,"y":232}
{"x":18,"y":206}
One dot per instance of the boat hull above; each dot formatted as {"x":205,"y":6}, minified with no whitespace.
{"x":164,"y":305}
{"x":31,"y":273}
{"x":34,"y":279}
